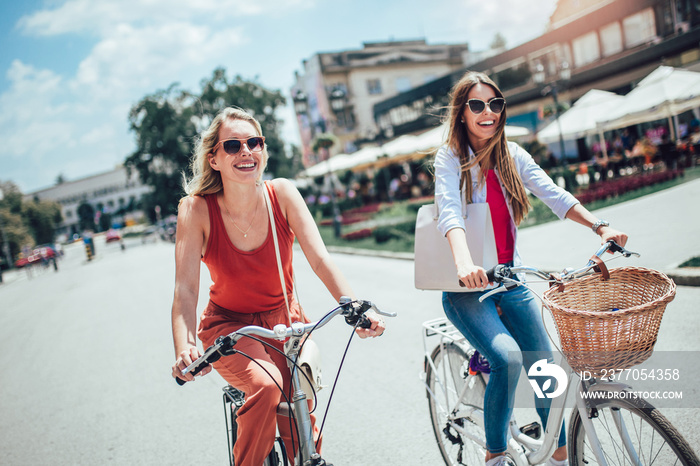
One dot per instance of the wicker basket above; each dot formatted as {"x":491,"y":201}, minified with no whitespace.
{"x":597,"y":339}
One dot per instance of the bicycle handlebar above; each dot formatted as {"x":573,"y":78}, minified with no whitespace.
{"x":504,"y":274}
{"x":353,"y":311}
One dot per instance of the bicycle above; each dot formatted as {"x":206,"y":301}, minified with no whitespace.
{"x":295,"y":406}
{"x":614,"y":427}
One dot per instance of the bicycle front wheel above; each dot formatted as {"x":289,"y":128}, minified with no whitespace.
{"x":445,"y":385}
{"x":631,"y":432}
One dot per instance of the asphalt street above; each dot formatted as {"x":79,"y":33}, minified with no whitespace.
{"x":87,"y":350}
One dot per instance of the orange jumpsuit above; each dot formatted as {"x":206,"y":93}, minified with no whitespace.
{"x":247,"y":291}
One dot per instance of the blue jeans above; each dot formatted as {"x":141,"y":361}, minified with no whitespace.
{"x":504,"y":340}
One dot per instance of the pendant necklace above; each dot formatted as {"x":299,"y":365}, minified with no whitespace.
{"x":245,"y":233}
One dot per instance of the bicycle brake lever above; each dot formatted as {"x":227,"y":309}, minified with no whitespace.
{"x":614,"y":247}
{"x":504,"y":287}
{"x":499,"y":289}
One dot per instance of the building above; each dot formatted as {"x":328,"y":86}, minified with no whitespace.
{"x":114,"y":192}
{"x":590,"y":44}
{"x":337,"y":91}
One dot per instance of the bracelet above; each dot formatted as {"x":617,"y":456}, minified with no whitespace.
{"x":598,"y":224}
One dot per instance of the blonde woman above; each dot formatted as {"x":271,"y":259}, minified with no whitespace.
{"x":479,"y":163}
{"x":223,"y":221}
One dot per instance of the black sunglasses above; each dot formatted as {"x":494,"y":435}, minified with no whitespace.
{"x":234,"y":146}
{"x":496,"y":105}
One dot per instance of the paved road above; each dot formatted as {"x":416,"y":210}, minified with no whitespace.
{"x":87,"y":350}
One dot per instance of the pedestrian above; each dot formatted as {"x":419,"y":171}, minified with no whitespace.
{"x":223,"y":221}
{"x":477,"y":158}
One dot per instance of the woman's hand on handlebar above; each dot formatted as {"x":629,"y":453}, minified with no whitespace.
{"x":185,"y":359}
{"x":607,"y":234}
{"x":473,"y":276}
{"x":376,"y":329}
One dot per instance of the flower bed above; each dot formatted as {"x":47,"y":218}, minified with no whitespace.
{"x":358,"y":234}
{"x":604,"y":190}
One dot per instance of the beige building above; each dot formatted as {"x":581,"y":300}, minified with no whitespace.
{"x":336,"y":92}
{"x":113,"y":192}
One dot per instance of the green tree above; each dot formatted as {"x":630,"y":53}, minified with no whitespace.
{"x":42,"y":217}
{"x":86,"y":216}
{"x":167,"y":122}
{"x":498,"y":41}
{"x":25,"y":223}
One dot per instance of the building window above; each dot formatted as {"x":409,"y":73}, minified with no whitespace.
{"x":611,"y":39}
{"x":403,"y":84}
{"x":639,"y":28}
{"x":586,"y":49}
{"x":374,"y":86}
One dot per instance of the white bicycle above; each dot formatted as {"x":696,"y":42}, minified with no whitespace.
{"x":614,"y":427}
{"x":302,"y":388}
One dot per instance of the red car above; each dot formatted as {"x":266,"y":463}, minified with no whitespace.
{"x":39,"y":254}
{"x":112,"y":235}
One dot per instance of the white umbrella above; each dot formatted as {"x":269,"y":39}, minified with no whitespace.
{"x":580,"y":120}
{"x":402,"y":147}
{"x":665,"y":92}
{"x":343,"y":162}
{"x":516,"y":131}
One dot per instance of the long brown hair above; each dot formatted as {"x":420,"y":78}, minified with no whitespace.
{"x":495,"y":150}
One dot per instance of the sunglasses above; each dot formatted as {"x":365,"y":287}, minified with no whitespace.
{"x":234,"y":146}
{"x":496,"y":105}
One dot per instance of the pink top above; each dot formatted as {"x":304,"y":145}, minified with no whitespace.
{"x":500,"y":216}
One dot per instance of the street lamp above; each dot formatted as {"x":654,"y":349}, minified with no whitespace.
{"x":5,"y":246}
{"x":553,"y":90}
{"x":300,"y":102}
{"x":301,"y":107}
{"x":337,"y":99}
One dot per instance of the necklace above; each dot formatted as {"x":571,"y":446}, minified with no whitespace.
{"x":245,"y":233}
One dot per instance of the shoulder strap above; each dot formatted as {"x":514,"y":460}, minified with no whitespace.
{"x":271,"y":214}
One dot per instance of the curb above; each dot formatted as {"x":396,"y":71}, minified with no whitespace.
{"x":686,"y":276}
{"x":371,"y":252}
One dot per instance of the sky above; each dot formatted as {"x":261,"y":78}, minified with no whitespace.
{"x":70,"y":70}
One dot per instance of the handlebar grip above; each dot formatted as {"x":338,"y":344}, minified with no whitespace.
{"x":364,"y":322}
{"x":194,"y":372}
{"x":491,"y":274}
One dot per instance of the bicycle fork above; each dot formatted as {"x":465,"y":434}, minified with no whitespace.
{"x":584,"y":408}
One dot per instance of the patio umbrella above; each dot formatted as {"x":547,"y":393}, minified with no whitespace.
{"x":580,"y":120}
{"x":402,"y":148}
{"x":664,"y":93}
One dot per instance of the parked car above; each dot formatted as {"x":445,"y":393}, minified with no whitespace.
{"x":43,"y":254}
{"x":112,"y":235}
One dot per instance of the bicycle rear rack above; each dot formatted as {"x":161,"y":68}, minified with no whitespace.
{"x":444,"y":328}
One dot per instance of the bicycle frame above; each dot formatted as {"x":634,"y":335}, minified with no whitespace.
{"x":297,"y":408}
{"x":537,"y":450}
{"x":300,"y":411}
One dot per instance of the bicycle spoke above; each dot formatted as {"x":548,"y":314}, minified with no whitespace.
{"x":631,"y":432}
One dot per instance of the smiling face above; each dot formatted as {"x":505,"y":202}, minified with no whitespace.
{"x":246,"y":166}
{"x":480,"y":127}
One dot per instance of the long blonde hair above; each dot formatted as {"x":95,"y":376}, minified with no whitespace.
{"x":206,"y":180}
{"x":496,"y":147}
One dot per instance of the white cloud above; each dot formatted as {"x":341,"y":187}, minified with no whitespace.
{"x":136,"y":59}
{"x":98,"y":16}
{"x":477,"y":21}
{"x":76,"y":123}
